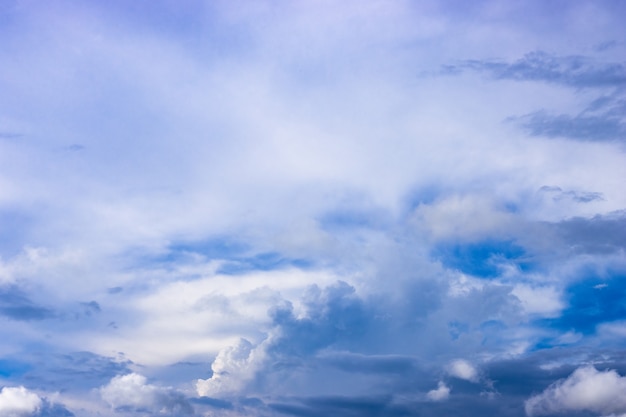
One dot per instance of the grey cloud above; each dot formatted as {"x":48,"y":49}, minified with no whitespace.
{"x":16,"y":305}
{"x":604,"y":119}
{"x":91,"y":307}
{"x":605,"y":46}
{"x":53,"y":410}
{"x":599,"y":234}
{"x":377,"y":364}
{"x":573,"y":70}
{"x":342,"y":406}
{"x":115,"y":290}
{"x":334,"y":312}
{"x":558,"y":193}
{"x":592,"y":128}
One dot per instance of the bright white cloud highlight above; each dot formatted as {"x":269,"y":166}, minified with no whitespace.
{"x":587,"y":389}
{"x":545,"y":301}
{"x":440,"y":394}
{"x":233,"y":367}
{"x":462,"y":369}
{"x":129,"y":390}
{"x":132,"y":391}
{"x":18,"y":402}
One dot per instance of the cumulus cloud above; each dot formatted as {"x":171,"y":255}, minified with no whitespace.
{"x":132,"y":392}
{"x":587,"y":389}
{"x":463,"y":369}
{"x":441,"y":393}
{"x":18,"y":402}
{"x":21,"y":402}
{"x":253,"y":154}
{"x":233,"y":367}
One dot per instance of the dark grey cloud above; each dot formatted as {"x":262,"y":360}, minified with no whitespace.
{"x":335,"y":313}
{"x":604,"y":119}
{"x":16,"y":305}
{"x":49,"y":409}
{"x":558,"y":193}
{"x":342,"y":406}
{"x":213,"y":403}
{"x":596,"y":235}
{"x":584,"y":128}
{"x":572,"y":70}
{"x":376,"y":364}
{"x":508,"y":383}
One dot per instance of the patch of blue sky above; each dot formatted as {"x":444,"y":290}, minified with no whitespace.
{"x":12,"y":368}
{"x":484,"y":259}
{"x":591,"y":302}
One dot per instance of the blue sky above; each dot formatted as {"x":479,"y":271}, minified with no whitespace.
{"x":355,"y":208}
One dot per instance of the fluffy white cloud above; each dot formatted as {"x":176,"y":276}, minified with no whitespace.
{"x":545,"y":301}
{"x":587,"y":389}
{"x":462,"y":369}
{"x":233,"y":367}
{"x":129,"y":390}
{"x":441,"y":393}
{"x":18,"y":402}
{"x":132,"y":391}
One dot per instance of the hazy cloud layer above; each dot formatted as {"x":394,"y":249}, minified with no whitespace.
{"x":312,"y":208}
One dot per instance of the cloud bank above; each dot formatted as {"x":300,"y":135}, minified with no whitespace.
{"x":272,"y":209}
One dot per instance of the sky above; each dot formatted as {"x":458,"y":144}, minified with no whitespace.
{"x":312,"y":208}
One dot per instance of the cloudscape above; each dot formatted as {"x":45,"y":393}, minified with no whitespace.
{"x":312,"y":208}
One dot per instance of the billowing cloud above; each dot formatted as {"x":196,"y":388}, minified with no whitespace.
{"x":22,"y":402}
{"x":233,"y":367}
{"x":290,"y":209}
{"x":18,"y":402}
{"x":132,"y":392}
{"x":463,"y":369}
{"x":587,"y":389}
{"x":441,"y":393}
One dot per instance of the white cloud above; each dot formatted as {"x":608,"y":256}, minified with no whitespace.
{"x":129,"y":390}
{"x":463,"y":369}
{"x":254,"y":123}
{"x":132,"y":391}
{"x":545,"y":301}
{"x":587,"y":389}
{"x":18,"y":402}
{"x":233,"y":367}
{"x":440,"y":394}
{"x":186,"y":318}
